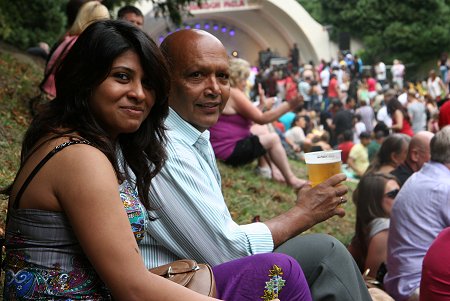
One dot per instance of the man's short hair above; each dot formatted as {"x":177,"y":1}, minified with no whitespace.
{"x":129,"y":9}
{"x":364,"y":135}
{"x":440,"y":146}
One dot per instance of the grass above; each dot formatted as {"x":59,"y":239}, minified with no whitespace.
{"x":248,"y":195}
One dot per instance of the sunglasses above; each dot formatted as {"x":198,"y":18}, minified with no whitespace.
{"x":392,"y":194}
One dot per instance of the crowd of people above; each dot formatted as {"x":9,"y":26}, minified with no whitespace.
{"x":118,"y":172}
{"x":395,"y":140}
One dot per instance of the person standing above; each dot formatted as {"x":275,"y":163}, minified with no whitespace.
{"x":436,"y":87}
{"x":417,"y":112}
{"x":295,"y":57}
{"x":398,"y":73}
{"x":380,"y":71}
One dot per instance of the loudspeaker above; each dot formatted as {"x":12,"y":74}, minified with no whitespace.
{"x":344,"y":41}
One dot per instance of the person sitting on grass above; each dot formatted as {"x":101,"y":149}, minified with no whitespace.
{"x":373,"y":197}
{"x":231,"y":138}
{"x":192,"y":219}
{"x":358,"y":158}
{"x":76,"y":215}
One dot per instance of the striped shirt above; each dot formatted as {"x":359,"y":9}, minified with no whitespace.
{"x":193,"y":220}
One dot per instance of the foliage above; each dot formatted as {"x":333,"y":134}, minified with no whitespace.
{"x":411,"y":30}
{"x":314,"y":8}
{"x":24,"y":23}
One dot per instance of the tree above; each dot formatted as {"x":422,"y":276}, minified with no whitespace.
{"x":24,"y":23}
{"x":411,"y":30}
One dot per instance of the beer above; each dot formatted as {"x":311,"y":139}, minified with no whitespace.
{"x":322,"y":165}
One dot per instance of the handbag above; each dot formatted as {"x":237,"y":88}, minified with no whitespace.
{"x":190,"y":274}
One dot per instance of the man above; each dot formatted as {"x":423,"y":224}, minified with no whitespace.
{"x":420,"y":212}
{"x":417,"y":112}
{"x":192,"y":219}
{"x":358,"y":159}
{"x":342,"y":121}
{"x":295,"y":56}
{"x":418,"y":155}
{"x":382,"y":114}
{"x":380,"y":71}
{"x":131,"y":14}
{"x":367,"y":114}
{"x":306,"y":90}
{"x":398,"y":72}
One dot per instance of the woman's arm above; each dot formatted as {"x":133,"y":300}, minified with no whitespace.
{"x":376,"y":252}
{"x":243,"y":106}
{"x":90,"y":198}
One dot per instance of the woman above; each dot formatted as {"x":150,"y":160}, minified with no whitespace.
{"x":231,"y":137}
{"x":90,"y":12}
{"x":373,"y":198}
{"x":400,"y":119}
{"x":392,"y":153}
{"x":68,"y":236}
{"x":296,"y":137}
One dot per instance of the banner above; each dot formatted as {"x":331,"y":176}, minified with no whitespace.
{"x":217,"y":4}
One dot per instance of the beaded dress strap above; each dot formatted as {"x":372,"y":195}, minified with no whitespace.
{"x":39,"y":166}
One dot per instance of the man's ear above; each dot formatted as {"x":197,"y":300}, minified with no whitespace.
{"x":414,"y":155}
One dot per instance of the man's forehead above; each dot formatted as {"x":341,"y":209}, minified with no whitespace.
{"x":202,"y":51}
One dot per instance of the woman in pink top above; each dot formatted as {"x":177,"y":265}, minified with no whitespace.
{"x":231,"y":138}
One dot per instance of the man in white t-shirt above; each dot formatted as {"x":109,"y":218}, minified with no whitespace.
{"x":380,"y":70}
{"x":398,"y":72}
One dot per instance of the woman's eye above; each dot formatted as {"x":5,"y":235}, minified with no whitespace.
{"x":122,"y":76}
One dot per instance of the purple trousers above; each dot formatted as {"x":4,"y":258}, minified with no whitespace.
{"x":261,"y":277}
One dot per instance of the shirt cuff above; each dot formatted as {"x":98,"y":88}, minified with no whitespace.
{"x":259,"y":238}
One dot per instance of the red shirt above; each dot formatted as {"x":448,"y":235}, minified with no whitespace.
{"x":332,"y":88}
{"x":406,"y":129}
{"x":345,"y":147}
{"x":435,"y":282}
{"x":444,"y":114}
{"x":371,"y":84}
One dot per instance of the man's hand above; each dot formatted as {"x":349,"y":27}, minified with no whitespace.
{"x":321,"y":202}
{"x":314,"y":205}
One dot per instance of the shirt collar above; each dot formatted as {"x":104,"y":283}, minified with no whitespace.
{"x":184,"y":130}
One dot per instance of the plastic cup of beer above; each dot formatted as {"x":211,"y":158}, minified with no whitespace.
{"x":322,"y":165}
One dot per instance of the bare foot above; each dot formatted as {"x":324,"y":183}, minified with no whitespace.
{"x":296,"y":183}
{"x":277,"y":175}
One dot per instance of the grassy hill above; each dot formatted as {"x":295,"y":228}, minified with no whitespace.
{"x":246,"y":194}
